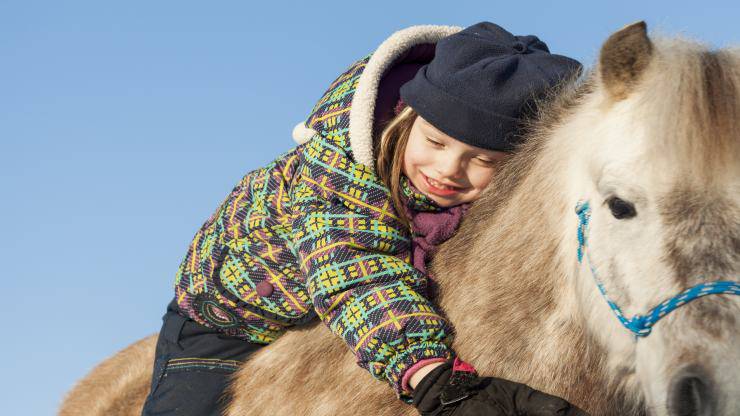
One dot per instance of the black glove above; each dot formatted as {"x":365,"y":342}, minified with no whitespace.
{"x":444,"y":393}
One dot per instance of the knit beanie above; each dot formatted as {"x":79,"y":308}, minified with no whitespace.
{"x":483,"y":82}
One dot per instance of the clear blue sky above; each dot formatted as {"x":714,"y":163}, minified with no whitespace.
{"x":123,"y":125}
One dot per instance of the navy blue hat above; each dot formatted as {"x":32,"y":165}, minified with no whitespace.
{"x":482,"y":82}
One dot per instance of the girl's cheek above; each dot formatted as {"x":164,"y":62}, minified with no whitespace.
{"x":411,"y":156}
{"x":420,"y":159}
{"x":482,"y":177}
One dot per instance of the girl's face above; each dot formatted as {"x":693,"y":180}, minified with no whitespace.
{"x":447,"y":170}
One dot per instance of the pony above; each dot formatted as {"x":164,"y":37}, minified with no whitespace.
{"x":626,"y":193}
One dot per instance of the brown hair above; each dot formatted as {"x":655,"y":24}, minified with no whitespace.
{"x":390,"y":151}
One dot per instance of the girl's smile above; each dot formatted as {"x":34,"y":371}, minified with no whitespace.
{"x":441,"y":189}
{"x":446,"y":170}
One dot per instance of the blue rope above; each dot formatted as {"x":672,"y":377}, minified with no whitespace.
{"x":641,"y":325}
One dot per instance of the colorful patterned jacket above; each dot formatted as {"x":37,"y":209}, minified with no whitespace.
{"x":314,"y":233}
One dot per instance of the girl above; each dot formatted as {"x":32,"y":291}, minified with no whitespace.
{"x":325,"y":230}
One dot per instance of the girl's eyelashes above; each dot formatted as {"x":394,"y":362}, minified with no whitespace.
{"x":487,"y":162}
{"x":434,"y":142}
{"x":482,"y":160}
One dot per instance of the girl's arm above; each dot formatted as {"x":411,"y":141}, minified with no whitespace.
{"x":348,"y":243}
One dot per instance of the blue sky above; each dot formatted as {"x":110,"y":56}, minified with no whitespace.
{"x":123,"y":125}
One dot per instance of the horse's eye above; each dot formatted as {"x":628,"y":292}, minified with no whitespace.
{"x":620,"y":208}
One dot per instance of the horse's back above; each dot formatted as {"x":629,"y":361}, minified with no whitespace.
{"x":116,"y":387}
{"x":310,"y":372}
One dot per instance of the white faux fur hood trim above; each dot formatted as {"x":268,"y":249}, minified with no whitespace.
{"x":363,"y":101}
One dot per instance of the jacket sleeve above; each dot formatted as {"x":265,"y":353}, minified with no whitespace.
{"x":353,"y":251}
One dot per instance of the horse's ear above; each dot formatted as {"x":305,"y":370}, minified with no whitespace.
{"x":623,"y":59}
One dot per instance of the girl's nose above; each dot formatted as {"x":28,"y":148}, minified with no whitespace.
{"x":449,"y":167}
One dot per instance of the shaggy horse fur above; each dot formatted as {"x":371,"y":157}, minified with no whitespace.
{"x":656,"y":125}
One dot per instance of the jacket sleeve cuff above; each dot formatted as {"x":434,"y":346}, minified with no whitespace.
{"x":408,"y":359}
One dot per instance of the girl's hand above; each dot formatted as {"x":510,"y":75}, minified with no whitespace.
{"x":442,"y":394}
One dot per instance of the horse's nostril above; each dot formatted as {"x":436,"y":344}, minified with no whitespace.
{"x":691,"y":394}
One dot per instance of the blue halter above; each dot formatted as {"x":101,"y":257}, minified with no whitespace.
{"x":641,"y":325}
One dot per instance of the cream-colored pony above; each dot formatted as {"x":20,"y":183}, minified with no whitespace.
{"x":652,"y":140}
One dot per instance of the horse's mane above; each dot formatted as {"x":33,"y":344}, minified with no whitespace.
{"x":551,"y":110}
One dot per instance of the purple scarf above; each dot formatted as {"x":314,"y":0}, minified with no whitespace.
{"x":430,"y":229}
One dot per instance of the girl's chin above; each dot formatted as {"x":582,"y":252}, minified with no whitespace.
{"x":447,"y":202}
{"x":442,"y":201}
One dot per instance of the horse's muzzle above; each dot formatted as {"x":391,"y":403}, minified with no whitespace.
{"x":691,"y":393}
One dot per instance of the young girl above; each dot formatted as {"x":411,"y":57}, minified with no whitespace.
{"x":325,"y":231}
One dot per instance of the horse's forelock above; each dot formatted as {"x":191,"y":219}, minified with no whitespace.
{"x":689,"y":100}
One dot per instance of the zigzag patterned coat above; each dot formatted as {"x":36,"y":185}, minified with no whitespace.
{"x":314,"y":233}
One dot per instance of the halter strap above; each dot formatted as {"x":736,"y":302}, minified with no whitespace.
{"x":642,"y":325}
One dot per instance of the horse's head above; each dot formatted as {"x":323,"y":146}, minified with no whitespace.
{"x":657,"y":156}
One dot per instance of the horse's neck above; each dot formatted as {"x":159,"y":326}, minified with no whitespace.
{"x":513,"y":271}
{"x":513,"y":264}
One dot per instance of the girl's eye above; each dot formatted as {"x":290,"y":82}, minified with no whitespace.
{"x":434,"y":143}
{"x":621,"y":209}
{"x":487,"y":162}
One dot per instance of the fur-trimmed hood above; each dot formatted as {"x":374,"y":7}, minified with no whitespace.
{"x":360,"y":100}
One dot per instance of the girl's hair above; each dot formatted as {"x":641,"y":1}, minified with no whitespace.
{"x":390,"y":151}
